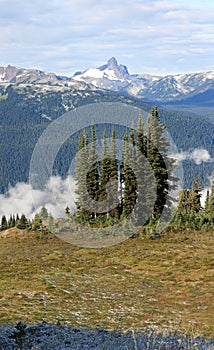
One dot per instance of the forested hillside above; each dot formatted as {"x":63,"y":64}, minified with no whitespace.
{"x":27,"y":109}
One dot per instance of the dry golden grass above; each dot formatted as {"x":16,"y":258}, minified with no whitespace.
{"x":165,"y":283}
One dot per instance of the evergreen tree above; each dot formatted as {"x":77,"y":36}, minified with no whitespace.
{"x":43,"y":213}
{"x":13,"y":221}
{"x":22,"y":223}
{"x":93,"y":173}
{"x":141,"y":137}
{"x":181,"y":215}
{"x":123,"y":177}
{"x":132,"y":137}
{"x":17,"y":218}
{"x":157,"y":148}
{"x":104,"y":171}
{"x":10,"y":221}
{"x":4,"y":224}
{"x":207,"y":201}
{"x":81,"y":170}
{"x":130,"y":180}
{"x":140,"y":159}
{"x":183,"y":201}
{"x":113,"y":175}
{"x":145,"y":178}
{"x":37,"y":222}
{"x":195,"y":196}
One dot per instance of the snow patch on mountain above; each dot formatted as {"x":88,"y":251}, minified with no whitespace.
{"x":92,"y":73}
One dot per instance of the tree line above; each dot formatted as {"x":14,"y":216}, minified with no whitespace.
{"x":110,"y":189}
{"x":21,"y":222}
{"x":190,"y":213}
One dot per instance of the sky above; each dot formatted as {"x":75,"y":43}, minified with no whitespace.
{"x":148,"y":36}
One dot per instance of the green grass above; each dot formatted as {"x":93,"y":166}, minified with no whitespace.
{"x":164,"y":284}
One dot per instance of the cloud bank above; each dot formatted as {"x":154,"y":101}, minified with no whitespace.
{"x":56,"y":195}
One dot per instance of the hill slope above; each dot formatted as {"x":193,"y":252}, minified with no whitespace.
{"x":27,"y":109}
{"x":141,"y":283}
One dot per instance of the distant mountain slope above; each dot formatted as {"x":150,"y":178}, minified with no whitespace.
{"x":26,"y":109}
{"x":205,"y":99}
{"x":12,"y":74}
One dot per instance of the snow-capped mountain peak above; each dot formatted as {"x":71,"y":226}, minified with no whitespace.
{"x":107,"y":76}
{"x":120,"y":72}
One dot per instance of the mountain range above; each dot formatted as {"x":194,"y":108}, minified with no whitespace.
{"x":151,"y":87}
{"x":191,"y":88}
{"x":31,"y":99}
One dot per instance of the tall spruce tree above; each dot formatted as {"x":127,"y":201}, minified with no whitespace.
{"x":183,"y":201}
{"x":145,"y":178}
{"x":10,"y":221}
{"x":17,"y":218}
{"x":92,"y":179}
{"x":157,"y":148}
{"x":195,"y":196}
{"x":43,"y":213}
{"x":81,"y":169}
{"x":113,"y":176}
{"x":4,"y":223}
{"x":181,"y":215}
{"x":130,"y":179}
{"x":13,"y":221}
{"x":140,"y":159}
{"x":104,"y":172}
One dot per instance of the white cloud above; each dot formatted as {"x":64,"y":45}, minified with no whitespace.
{"x":197,"y":155}
{"x":56,"y":195}
{"x":92,"y":30}
{"x":200,"y":155}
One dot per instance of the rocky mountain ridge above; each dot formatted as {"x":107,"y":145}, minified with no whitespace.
{"x":116,"y":77}
{"x":151,"y":87}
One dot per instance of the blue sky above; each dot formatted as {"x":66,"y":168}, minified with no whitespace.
{"x":148,"y":36}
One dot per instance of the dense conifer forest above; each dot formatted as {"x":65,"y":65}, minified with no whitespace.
{"x":25,"y":110}
{"x":138,"y":186}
